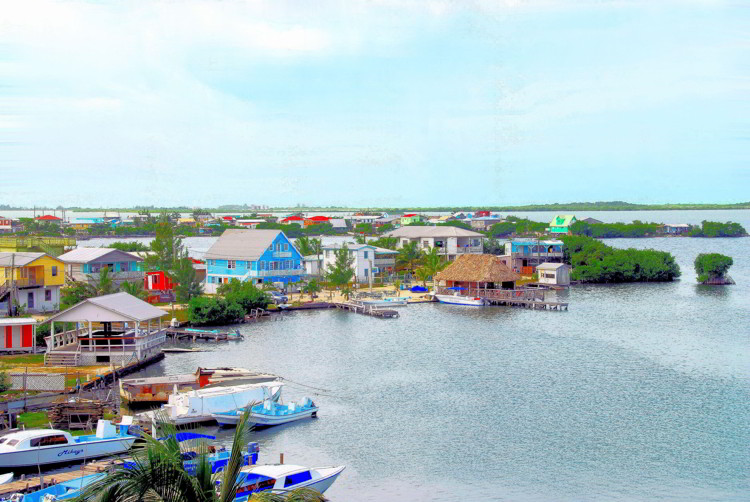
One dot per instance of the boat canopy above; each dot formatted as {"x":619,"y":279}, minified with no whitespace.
{"x":456,"y":289}
{"x":187,"y":436}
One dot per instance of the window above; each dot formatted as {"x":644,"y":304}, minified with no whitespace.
{"x":367,"y":271}
{"x":286,"y":247}
{"x":278,"y":246}
{"x":49,"y":441}
{"x":270,"y":248}
{"x":366,"y":255}
{"x":126,"y":266}
{"x":47,"y":295}
{"x":12,"y":442}
{"x":54,"y":270}
{"x":300,"y":477}
{"x":231,"y":264}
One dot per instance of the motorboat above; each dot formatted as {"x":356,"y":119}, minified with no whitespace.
{"x":386,"y":302}
{"x":269,"y":413}
{"x":199,"y":405}
{"x":284,"y":477}
{"x":157,"y":389}
{"x":456,"y":297}
{"x":39,"y":447}
{"x":61,"y":491}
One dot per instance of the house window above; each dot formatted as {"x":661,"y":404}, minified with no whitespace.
{"x":286,"y":247}
{"x":367,"y":271}
{"x":54,"y":270}
{"x":278,"y":246}
{"x":231,"y":264}
{"x":366,"y":255}
{"x":270,"y":248}
{"x":126,"y":266}
{"x":47,"y":295}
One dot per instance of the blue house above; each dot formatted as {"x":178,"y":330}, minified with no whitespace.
{"x":259,"y":256}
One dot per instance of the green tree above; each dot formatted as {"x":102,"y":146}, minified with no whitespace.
{"x":157,"y":473}
{"x":206,"y":311}
{"x":75,"y":293}
{"x":409,"y":255}
{"x":129,"y":246}
{"x":385,"y":242}
{"x":187,"y":285}
{"x":312,"y":288}
{"x":397,"y":285}
{"x":102,"y":284}
{"x":340,"y":272}
{"x":432,"y":263}
{"x":134,"y":288}
{"x":493,"y":246}
{"x":244,"y":294}
{"x":166,"y":248}
{"x":304,"y":246}
{"x":385,"y":228}
{"x":422,"y":274}
{"x":360,"y":239}
{"x":712,"y":266}
{"x":364,"y":228}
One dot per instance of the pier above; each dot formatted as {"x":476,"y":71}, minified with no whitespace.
{"x":360,"y":308}
{"x":210,"y":336}
{"x":34,"y":483}
{"x":527,"y":298}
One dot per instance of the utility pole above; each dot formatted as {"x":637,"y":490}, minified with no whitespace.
{"x":12,"y":283}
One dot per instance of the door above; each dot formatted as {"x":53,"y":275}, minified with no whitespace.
{"x":30,"y":300}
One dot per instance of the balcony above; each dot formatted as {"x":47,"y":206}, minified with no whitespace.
{"x":276,"y":273}
{"x":469,"y":250}
{"x":282,"y":254}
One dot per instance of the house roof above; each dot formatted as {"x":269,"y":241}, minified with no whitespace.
{"x":550,"y":266}
{"x":16,"y":321}
{"x":293,"y":218}
{"x":356,"y":247}
{"x":591,"y":220}
{"x":48,"y":217}
{"x":85,"y":255}
{"x":115,"y":307}
{"x":18,"y":259}
{"x":415,"y":232}
{"x":562,"y":220}
{"x":477,"y":268}
{"x":242,"y":244}
{"x":337,"y":222}
{"x":319,"y":218}
{"x":409,"y":215}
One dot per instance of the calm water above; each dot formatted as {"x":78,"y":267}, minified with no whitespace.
{"x":639,"y":392}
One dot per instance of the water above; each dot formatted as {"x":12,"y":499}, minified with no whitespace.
{"x":638,"y":392}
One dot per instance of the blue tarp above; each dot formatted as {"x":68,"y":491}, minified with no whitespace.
{"x":187,"y":436}
{"x":456,"y":289}
{"x":418,"y":289}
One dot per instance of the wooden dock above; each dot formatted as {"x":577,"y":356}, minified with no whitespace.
{"x":530,"y":298}
{"x":184,"y":334}
{"x":33,"y":483}
{"x":359,"y":308}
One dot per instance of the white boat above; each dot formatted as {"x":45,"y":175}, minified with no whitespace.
{"x":270,"y":413}
{"x":284,"y":477}
{"x":6,"y":478}
{"x":49,"y":446}
{"x":157,"y":389}
{"x":457,"y":298}
{"x":386,"y":302}
{"x":199,"y":405}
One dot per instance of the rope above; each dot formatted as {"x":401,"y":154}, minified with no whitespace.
{"x":303,"y":385}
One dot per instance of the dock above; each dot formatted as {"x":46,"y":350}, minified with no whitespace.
{"x":530,"y":298}
{"x":359,"y":308}
{"x":210,"y":336}
{"x":33,"y":483}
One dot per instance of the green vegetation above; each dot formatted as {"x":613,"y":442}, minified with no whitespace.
{"x":409,"y":255}
{"x":33,"y":419}
{"x":340,"y":272}
{"x":594,"y":261}
{"x":235,"y":299}
{"x":385,"y":242}
{"x":312,"y":288}
{"x":364,"y":228}
{"x":717,"y":229}
{"x":21,"y":359}
{"x":5,"y":383}
{"x":516,"y":226}
{"x":129,"y":246}
{"x":608,"y":230}
{"x":432,"y":263}
{"x":711,"y":266}
{"x":186,"y":282}
{"x":134,"y":288}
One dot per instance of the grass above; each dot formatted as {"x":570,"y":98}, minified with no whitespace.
{"x":21,"y":359}
{"x":39,"y":419}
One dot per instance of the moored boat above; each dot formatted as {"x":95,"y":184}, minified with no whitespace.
{"x":157,"y":389}
{"x":456,"y":298}
{"x":270,"y":413}
{"x":60,"y":491}
{"x":39,"y":447}
{"x":284,"y":477}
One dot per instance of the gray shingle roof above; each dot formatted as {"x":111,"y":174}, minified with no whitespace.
{"x":241,"y":244}
{"x":119,"y":304}
{"x":20,"y":259}
{"x":416,"y":231}
{"x":85,"y":255}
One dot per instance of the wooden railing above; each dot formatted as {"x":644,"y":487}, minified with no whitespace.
{"x":145,"y":340}
{"x":498,"y":294}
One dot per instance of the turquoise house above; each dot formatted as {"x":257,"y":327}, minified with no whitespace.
{"x":260,"y":256}
{"x":561,"y":223}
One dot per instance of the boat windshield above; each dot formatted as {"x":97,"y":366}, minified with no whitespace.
{"x":255,"y":483}
{"x":297,"y":478}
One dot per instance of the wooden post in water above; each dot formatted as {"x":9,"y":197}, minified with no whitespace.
{"x":281,"y":458}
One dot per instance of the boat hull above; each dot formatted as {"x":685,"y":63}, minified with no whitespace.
{"x":48,"y":455}
{"x":460,"y":300}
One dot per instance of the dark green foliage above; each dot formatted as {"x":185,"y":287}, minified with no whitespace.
{"x":608,"y":230}
{"x":244,"y":294}
{"x":516,"y":226}
{"x":341,"y":272}
{"x":5,"y":383}
{"x":186,"y":282}
{"x":493,"y":246}
{"x":166,"y":247}
{"x":594,"y":261}
{"x":409,"y":255}
{"x":717,"y":229}
{"x":129,"y":246}
{"x":385,"y":242}
{"x":712,"y":266}
{"x":456,"y":223}
{"x":134,"y":288}
{"x":206,"y":311}
{"x":385,"y":228}
{"x":364,"y":228}
{"x":74,"y":293}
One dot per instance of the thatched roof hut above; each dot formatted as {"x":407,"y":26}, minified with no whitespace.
{"x":484,"y":269}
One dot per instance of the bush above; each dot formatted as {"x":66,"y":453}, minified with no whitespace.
{"x":5,"y":383}
{"x":203,"y":311}
{"x":594,"y":261}
{"x":717,"y":229}
{"x":244,"y":294}
{"x":712,"y":266}
{"x":609,"y":230}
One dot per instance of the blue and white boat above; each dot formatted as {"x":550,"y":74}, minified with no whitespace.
{"x":269,"y":413}
{"x":40,"y":447}
{"x":457,"y":298}
{"x":284,"y":477}
{"x":61,"y":491}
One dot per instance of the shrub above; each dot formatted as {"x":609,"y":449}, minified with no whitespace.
{"x":712,"y":266}
{"x":717,"y":229}
{"x":244,"y":294}
{"x":203,"y":310}
{"x":5,"y":383}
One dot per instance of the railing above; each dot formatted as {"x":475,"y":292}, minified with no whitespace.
{"x":24,"y":282}
{"x":468,"y":249}
{"x":145,"y":340}
{"x":498,"y":294}
{"x":35,"y":241}
{"x":282,"y":254}
{"x":275,"y":273}
{"x":64,"y":338}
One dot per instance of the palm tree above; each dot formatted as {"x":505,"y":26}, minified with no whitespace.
{"x":304,"y":246}
{"x":158,"y":474}
{"x":409,"y":255}
{"x":102,"y":284}
{"x":433,"y":263}
{"x":134,"y":288}
{"x":311,"y":288}
{"x":316,"y":246}
{"x":397,"y":285}
{"x":422,"y":274}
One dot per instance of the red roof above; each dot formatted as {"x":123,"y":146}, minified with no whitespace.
{"x":48,"y":217}
{"x":227,"y":217}
{"x":293,"y":218}
{"x":409,"y":215}
{"x":319,"y":218}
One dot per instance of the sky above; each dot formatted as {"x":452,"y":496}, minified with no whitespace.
{"x":373,"y":103}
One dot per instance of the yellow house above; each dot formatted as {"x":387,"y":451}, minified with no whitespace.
{"x":34,"y":279}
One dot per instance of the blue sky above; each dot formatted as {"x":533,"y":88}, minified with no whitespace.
{"x":373,"y":103}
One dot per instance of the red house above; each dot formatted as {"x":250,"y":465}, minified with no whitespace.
{"x":49,"y":218}
{"x":293,"y":219}
{"x":481,"y":214}
{"x":159,"y":286}
{"x":17,"y":334}
{"x":316,"y":220}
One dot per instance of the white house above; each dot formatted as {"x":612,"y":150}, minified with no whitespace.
{"x":450,"y":241}
{"x":557,"y":274}
{"x":368,"y":260}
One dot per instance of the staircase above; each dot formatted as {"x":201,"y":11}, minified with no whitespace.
{"x":61,"y":359}
{"x":4,"y":289}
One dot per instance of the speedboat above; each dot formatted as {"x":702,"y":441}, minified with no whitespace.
{"x":50,"y":446}
{"x":457,"y":298}
{"x":385,"y":302}
{"x":284,"y":477}
{"x":270,"y":413}
{"x":60,"y":491}
{"x":157,"y":389}
{"x":199,"y":405}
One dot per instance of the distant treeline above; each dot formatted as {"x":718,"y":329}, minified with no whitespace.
{"x":595,"y":262}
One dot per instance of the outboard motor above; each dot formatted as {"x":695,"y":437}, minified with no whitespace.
{"x":253,"y":449}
